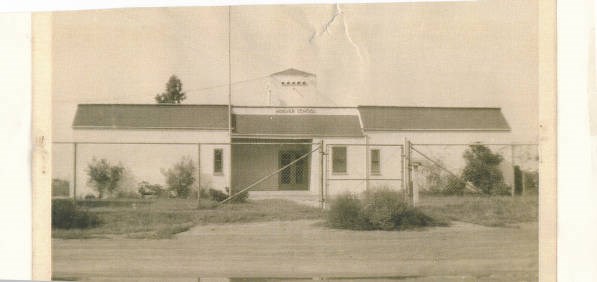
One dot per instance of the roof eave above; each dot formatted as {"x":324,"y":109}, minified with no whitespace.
{"x":152,"y":128}
{"x":293,"y":135}
{"x":439,"y":129}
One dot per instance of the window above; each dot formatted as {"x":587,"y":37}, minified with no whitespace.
{"x":375,"y":162}
{"x":339,"y":159}
{"x":218,"y":160}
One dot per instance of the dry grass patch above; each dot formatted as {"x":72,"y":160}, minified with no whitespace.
{"x":163,"y":218}
{"x":483,"y":210}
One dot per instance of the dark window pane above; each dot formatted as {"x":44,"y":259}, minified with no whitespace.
{"x":375,"y":161}
{"x":218,"y":160}
{"x":339,"y":159}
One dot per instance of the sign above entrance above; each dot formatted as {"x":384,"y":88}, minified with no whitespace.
{"x":300,"y":110}
{"x":295,"y":111}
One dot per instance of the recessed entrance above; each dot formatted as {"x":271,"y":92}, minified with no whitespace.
{"x":253,"y":159}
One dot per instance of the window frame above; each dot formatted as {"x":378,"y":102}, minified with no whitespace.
{"x":378,"y":170}
{"x":334,"y":153}
{"x":218,"y":170}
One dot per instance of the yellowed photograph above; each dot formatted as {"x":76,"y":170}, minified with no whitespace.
{"x":360,"y":142}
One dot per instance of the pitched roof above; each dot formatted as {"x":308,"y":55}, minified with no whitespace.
{"x":292,"y":71}
{"x":160,"y":116}
{"x":301,"y":125}
{"x":432,"y":118}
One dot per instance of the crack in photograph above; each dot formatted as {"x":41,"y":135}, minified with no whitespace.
{"x":341,"y":142}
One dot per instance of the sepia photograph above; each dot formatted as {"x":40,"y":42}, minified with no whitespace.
{"x":341,"y":142}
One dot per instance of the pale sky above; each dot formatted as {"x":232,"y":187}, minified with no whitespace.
{"x":480,"y":53}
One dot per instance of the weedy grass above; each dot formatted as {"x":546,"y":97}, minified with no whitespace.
{"x":163,"y":218}
{"x":495,"y":211}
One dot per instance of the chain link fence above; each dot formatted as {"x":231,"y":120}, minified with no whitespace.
{"x":457,"y":169}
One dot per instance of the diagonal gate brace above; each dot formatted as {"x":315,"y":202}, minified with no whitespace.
{"x":247,"y":188}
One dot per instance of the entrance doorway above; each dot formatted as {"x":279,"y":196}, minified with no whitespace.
{"x":296,"y":176}
{"x":253,"y":159}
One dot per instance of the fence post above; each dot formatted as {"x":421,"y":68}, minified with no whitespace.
{"x":402,"y":170}
{"x":513,"y":190}
{"x":524,"y":183}
{"x":75,"y":173}
{"x":322,"y":174}
{"x":408,"y":172}
{"x":367,"y":163}
{"x":198,"y":173}
{"x":414,"y":189}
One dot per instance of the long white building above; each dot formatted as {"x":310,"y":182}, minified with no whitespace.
{"x":361,"y":145}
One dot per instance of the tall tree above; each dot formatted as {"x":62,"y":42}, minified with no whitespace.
{"x":173,"y":94}
{"x":482,"y":169}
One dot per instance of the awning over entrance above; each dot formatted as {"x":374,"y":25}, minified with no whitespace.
{"x":297,"y":125}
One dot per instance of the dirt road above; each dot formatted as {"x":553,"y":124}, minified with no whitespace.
{"x":462,"y":252}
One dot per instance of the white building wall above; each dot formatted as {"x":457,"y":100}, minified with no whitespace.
{"x":212,"y":179}
{"x":150,"y":135}
{"x":353,"y":181}
{"x":143,"y":162}
{"x":146,"y":161}
{"x":390,"y":175}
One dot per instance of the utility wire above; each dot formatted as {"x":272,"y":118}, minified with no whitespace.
{"x":226,"y":84}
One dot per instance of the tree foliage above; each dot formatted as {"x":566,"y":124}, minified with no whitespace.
{"x":181,"y":177}
{"x":173,"y":94}
{"x":104,"y":177}
{"x":482,"y":169}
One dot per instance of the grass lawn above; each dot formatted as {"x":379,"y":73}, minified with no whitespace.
{"x":162,"y":218}
{"x":483,"y":210}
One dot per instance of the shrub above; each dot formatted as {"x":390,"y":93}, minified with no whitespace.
{"x":213,"y":194}
{"x":377,"y":209}
{"x":127,"y":195}
{"x":66,"y":216}
{"x":346,"y":213}
{"x":412,"y":218}
{"x":482,"y":169}
{"x":382,"y":206}
{"x":104,"y":177}
{"x":531,"y":181}
{"x":89,"y":197}
{"x":60,"y":188}
{"x":206,"y":204}
{"x":241,"y":198}
{"x":145,"y":188}
{"x":454,"y":186}
{"x":501,"y":189}
{"x":181,"y":177}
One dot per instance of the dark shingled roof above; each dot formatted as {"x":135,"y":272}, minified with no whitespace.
{"x":151,"y":116}
{"x":303,"y":125}
{"x":432,"y":118}
{"x":293,"y":72}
